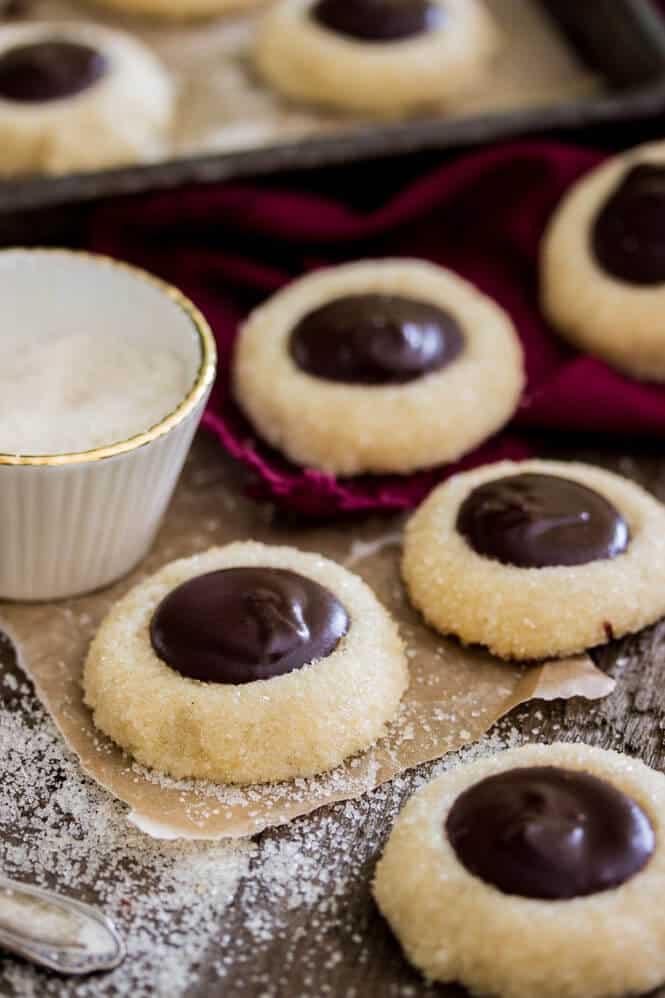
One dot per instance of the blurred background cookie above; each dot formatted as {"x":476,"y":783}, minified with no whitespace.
{"x":77,"y":96}
{"x":603,"y":263}
{"x":180,"y":10}
{"x":375,"y":55}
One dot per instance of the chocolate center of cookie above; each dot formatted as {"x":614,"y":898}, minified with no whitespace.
{"x":375,"y":340}
{"x":629,"y":232}
{"x":378,"y":20}
{"x":243,"y":624}
{"x":49,"y":70}
{"x":536,"y":521}
{"x":551,"y":833}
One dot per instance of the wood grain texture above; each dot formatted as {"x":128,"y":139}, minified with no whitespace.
{"x":340,"y":946}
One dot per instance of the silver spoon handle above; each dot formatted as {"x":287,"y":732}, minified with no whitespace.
{"x":55,"y":931}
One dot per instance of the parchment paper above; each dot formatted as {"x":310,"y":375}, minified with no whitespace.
{"x":455,"y":695}
{"x":223,"y":106}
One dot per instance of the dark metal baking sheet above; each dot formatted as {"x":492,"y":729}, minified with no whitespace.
{"x":621,"y":40}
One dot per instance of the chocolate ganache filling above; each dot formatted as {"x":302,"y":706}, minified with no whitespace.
{"x":49,"y":70}
{"x":375,"y":339}
{"x":550,"y":833}
{"x":628,"y":235}
{"x":539,"y":521}
{"x":238,"y":625}
{"x":378,"y":20}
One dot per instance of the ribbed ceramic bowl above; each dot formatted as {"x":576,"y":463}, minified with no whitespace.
{"x":71,"y":523}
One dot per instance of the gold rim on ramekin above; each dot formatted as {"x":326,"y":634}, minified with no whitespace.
{"x":203,"y":381}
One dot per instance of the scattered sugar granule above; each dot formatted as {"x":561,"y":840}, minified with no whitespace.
{"x":59,"y":830}
{"x":302,"y":911}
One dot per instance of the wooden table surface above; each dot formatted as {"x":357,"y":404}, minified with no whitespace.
{"x":341,"y":946}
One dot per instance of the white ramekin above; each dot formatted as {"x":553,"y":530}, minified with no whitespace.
{"x":71,"y":523}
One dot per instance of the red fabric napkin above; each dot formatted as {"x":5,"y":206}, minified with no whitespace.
{"x":229,"y":247}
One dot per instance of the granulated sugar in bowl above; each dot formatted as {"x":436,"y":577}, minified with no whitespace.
{"x":104,"y":374}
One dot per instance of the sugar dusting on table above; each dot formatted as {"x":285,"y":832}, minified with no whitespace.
{"x":59,"y":830}
{"x":295,"y":893}
{"x":200,"y":918}
{"x":169,"y":899}
{"x":80,"y":391}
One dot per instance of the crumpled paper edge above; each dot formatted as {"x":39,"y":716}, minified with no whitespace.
{"x":266,"y":807}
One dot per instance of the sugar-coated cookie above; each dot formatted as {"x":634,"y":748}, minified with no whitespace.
{"x":246,"y":664}
{"x":379,"y":366}
{"x":539,"y":871}
{"x":603,"y":263}
{"x":387,"y":56}
{"x":77,"y":96}
{"x":180,"y":10}
{"x":537,"y":560}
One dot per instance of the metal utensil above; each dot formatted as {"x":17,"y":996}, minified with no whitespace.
{"x":55,"y":931}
